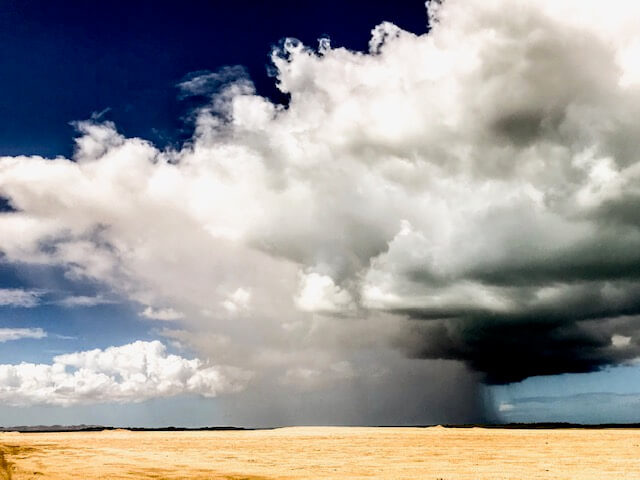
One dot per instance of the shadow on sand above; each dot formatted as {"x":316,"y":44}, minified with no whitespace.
{"x":5,"y":467}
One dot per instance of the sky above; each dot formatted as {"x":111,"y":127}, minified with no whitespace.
{"x":358,"y":213}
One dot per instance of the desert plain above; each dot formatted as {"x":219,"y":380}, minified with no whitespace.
{"x":434,"y":453}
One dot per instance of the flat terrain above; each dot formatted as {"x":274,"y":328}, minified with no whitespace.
{"x":324,"y":452}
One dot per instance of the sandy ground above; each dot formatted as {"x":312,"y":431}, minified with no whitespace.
{"x":324,"y":452}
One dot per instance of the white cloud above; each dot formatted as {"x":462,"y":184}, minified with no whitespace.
{"x":129,"y":373}
{"x":238,"y":300}
{"x":7,"y":334}
{"x":506,"y":407}
{"x":319,"y":293}
{"x":165,"y":314}
{"x":487,"y":170}
{"x":17,"y":297}
{"x":620,"y":341}
{"x":83,"y":301}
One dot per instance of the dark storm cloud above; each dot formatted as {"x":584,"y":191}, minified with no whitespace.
{"x":561,"y":313}
{"x":508,"y":350}
{"x":525,"y":127}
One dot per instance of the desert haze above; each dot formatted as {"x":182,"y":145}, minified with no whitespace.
{"x":324,"y":452}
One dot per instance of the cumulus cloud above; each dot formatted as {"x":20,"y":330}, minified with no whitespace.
{"x":469,"y":194}
{"x":18,"y":297}
{"x":238,"y":300}
{"x":166,"y":314}
{"x":7,"y":334}
{"x":129,"y":373}
{"x":319,"y":293}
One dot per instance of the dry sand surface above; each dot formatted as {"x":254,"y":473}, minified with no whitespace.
{"x":324,"y":452}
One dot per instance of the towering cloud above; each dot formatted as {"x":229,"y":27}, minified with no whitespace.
{"x":470,"y":194}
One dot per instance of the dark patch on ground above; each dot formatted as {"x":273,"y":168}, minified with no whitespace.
{"x":100,"y":428}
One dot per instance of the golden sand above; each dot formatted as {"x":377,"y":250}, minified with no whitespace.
{"x":323,"y":453}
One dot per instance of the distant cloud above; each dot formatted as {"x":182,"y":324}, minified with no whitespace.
{"x":64,"y":337}
{"x":206,"y":83}
{"x":18,"y":297}
{"x":506,"y":407}
{"x":129,"y":373}
{"x":8,"y":334}
{"x":166,"y":314}
{"x":29,"y":298}
{"x":83,"y":301}
{"x":596,"y":407}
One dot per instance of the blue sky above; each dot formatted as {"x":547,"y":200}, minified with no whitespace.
{"x":392,"y":227}
{"x":68,"y":61}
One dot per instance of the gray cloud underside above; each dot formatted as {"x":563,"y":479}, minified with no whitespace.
{"x":470,"y":194}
